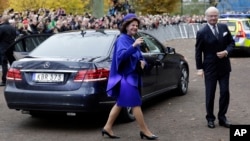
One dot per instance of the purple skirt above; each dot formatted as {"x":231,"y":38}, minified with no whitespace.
{"x":129,"y":96}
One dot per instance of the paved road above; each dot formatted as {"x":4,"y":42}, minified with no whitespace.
{"x":172,"y":118}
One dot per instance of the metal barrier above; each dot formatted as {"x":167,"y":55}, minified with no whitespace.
{"x":170,"y":32}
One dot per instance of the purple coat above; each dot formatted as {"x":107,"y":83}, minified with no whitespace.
{"x":125,"y":58}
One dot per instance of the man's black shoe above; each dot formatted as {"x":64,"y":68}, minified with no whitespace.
{"x":225,"y":124}
{"x":2,"y":84}
{"x":210,"y":124}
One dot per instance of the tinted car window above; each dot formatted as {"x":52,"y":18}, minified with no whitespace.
{"x":95,"y":45}
{"x":246,"y":25}
{"x":32,"y":43}
{"x":27,"y":44}
{"x":152,"y":44}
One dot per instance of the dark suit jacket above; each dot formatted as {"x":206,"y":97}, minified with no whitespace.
{"x":207,"y":45}
{"x":7,"y":36}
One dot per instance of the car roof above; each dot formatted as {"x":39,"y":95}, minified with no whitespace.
{"x":89,"y":31}
{"x":235,"y":16}
{"x":234,"y":19}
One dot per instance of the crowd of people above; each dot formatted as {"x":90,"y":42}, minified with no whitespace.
{"x":54,"y":21}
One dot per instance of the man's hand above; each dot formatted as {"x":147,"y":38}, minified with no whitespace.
{"x":200,"y":73}
{"x":222,"y":54}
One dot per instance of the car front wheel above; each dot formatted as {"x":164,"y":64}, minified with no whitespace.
{"x":183,"y":81}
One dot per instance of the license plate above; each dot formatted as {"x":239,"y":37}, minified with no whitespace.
{"x":48,"y":77}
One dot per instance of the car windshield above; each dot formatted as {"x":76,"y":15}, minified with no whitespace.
{"x":74,"y":46}
{"x":231,"y":25}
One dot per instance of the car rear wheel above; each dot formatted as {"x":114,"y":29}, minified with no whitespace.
{"x":126,"y":115}
{"x":183,"y":81}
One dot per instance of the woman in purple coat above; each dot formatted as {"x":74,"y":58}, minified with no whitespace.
{"x":125,"y":80}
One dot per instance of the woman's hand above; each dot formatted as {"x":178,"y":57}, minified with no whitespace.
{"x":143,"y":63}
{"x":137,"y":42}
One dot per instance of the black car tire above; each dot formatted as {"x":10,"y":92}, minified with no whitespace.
{"x":182,"y":87}
{"x":126,"y":115}
{"x":36,"y":114}
{"x":44,"y":114}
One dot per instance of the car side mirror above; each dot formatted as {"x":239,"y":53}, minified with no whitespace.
{"x":170,"y":50}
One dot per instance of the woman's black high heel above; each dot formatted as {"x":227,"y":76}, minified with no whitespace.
{"x":154,"y":137}
{"x":104,"y":132}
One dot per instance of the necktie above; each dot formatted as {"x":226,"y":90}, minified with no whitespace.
{"x":215,"y":32}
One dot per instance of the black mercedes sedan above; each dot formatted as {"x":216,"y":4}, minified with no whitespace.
{"x":67,"y":73}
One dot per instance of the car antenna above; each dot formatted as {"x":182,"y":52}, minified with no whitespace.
{"x":83,"y":32}
{"x":101,"y":31}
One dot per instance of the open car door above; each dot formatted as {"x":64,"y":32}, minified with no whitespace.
{"x":23,"y":45}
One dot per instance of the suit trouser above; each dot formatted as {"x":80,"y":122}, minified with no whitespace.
{"x":4,"y":62}
{"x":210,"y":83}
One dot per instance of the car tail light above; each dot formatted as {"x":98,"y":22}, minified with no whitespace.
{"x":91,"y":75}
{"x":240,"y":33}
{"x":14,"y":74}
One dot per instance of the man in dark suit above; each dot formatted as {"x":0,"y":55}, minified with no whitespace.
{"x":214,"y":43}
{"x":7,"y":37}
